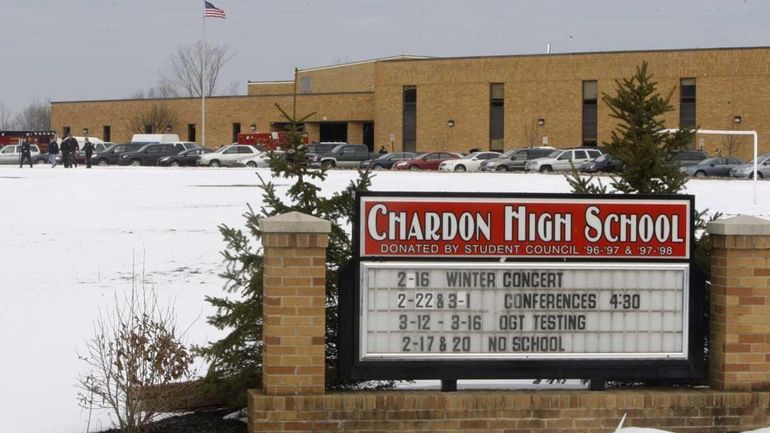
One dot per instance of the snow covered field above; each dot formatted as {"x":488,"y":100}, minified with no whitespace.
{"x":68,"y":239}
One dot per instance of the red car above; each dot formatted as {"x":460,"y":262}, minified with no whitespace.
{"x":426,"y":161}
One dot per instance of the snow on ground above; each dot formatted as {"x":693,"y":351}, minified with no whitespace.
{"x":68,"y":239}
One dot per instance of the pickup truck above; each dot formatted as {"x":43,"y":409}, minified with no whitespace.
{"x":342,"y":155}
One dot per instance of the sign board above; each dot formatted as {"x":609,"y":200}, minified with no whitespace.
{"x":467,"y":310}
{"x":525,"y":227}
{"x":449,"y":286}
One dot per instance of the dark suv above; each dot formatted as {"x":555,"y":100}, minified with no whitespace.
{"x":149,"y":154}
{"x":689,"y":157}
{"x":111,"y":155}
{"x":514,"y":159}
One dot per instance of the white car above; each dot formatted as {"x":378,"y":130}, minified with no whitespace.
{"x":471,"y":162}
{"x":259,"y":161}
{"x":226,"y":156}
{"x":562,"y":160}
{"x":11,"y":154}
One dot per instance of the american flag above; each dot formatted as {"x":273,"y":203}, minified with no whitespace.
{"x":209,"y":10}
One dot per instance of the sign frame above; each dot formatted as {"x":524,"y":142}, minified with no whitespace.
{"x":614,"y":368}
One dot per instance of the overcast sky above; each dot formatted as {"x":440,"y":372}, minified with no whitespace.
{"x":108,"y":49}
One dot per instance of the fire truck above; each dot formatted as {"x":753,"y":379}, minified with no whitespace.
{"x":266,"y":140}
{"x":41,"y":138}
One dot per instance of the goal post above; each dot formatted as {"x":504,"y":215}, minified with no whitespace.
{"x":732,"y":132}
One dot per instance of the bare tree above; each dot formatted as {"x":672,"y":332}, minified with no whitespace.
{"x":530,"y":133}
{"x":5,"y":118}
{"x":35,"y":116}
{"x":155,"y":119}
{"x":133,"y":358}
{"x":185,"y":73}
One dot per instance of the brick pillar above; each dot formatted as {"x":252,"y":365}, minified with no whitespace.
{"x":740,"y":304}
{"x":294,"y":303}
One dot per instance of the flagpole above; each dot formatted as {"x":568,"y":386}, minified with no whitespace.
{"x":203,"y":83}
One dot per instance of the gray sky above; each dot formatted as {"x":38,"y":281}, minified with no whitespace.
{"x":108,"y":49}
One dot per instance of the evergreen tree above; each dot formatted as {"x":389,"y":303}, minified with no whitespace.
{"x":236,"y":359}
{"x":639,"y":141}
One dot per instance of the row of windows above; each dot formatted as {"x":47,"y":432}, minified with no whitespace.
{"x":590,"y":117}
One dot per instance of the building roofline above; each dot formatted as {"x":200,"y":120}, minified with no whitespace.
{"x":579,"y":53}
{"x":257,"y":83}
{"x":361,"y":62}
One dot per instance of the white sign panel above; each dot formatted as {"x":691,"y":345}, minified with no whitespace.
{"x":467,"y":311}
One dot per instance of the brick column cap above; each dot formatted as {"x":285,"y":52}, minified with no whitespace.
{"x":294,"y":222}
{"x":741,"y":225}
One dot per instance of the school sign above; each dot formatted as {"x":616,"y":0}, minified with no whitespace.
{"x":452,"y":286}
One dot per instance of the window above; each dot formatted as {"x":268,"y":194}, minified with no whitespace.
{"x":687,"y":103}
{"x":590,"y":115}
{"x":66,"y":131}
{"x":305,"y":85}
{"x":191,"y":132}
{"x":496,"y":116}
{"x":410,"y":118}
{"x":236,"y":131}
{"x":106,"y":133}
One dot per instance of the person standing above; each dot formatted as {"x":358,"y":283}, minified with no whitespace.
{"x":26,"y":153}
{"x":65,"y":151}
{"x":88,"y":148}
{"x":53,"y":152}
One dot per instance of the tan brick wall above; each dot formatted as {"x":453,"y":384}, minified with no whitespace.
{"x":680,"y":411}
{"x":294,"y":313}
{"x":729,"y":82}
{"x":342,"y":78}
{"x":270,"y":88}
{"x":221,"y":113}
{"x":740,"y":313}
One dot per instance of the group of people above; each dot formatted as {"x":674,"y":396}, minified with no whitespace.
{"x":69,"y":149}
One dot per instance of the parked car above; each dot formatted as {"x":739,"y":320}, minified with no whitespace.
{"x":563,"y":160}
{"x":186,"y":145}
{"x":184,"y":158}
{"x":387,"y":160}
{"x":343,"y":155}
{"x":470,"y":162}
{"x":258,"y":161}
{"x":11,"y":154}
{"x":111,"y":154}
{"x":515,"y":159}
{"x":227,"y":155}
{"x":604,"y":163}
{"x":99,"y":146}
{"x":747,"y":170}
{"x":716,"y":166}
{"x":149,"y":154}
{"x":314,"y":149}
{"x":427,"y":161}
{"x":689,"y":157}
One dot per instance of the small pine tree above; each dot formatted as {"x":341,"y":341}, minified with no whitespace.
{"x":236,"y":359}
{"x":647,"y":154}
{"x":639,"y":141}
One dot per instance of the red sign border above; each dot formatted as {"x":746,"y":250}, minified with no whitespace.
{"x":359,"y":224}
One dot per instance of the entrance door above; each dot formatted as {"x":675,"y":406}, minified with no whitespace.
{"x":334,"y":131}
{"x":369,"y":135}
